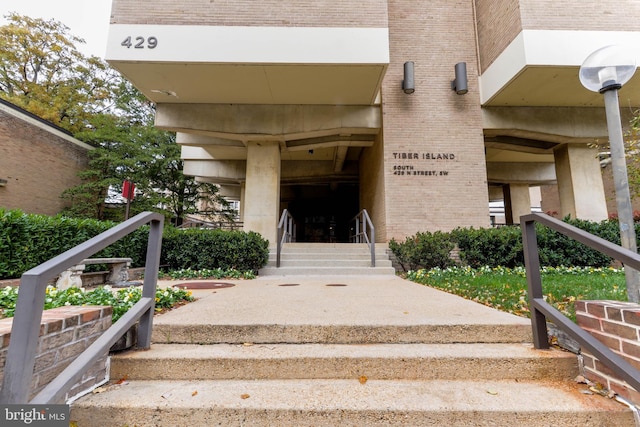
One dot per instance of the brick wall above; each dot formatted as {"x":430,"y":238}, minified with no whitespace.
{"x":65,"y":332}
{"x":500,"y":21}
{"x":585,"y":15}
{"x":302,"y":13}
{"x":433,"y":120}
{"x":617,"y":325}
{"x":38,"y":164}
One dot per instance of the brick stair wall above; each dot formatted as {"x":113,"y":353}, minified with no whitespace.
{"x":617,"y":325}
{"x":65,"y":332}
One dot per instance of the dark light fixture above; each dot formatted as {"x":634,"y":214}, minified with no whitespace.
{"x":460,"y":84}
{"x":408,"y":84}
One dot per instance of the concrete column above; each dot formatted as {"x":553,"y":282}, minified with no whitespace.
{"x":580,"y":183}
{"x":517,"y":202}
{"x":262,"y":189}
{"x":242,"y":200}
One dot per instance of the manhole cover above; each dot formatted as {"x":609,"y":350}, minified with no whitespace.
{"x":290,"y":284}
{"x":336,"y":284}
{"x":205,"y":285}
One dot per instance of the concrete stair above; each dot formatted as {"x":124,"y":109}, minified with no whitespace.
{"x":321,"y":351}
{"x":459,"y":375}
{"x":328,"y":259}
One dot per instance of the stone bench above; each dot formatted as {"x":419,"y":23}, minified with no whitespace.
{"x":118,"y":273}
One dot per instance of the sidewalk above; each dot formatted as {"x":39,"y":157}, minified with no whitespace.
{"x":332,"y":300}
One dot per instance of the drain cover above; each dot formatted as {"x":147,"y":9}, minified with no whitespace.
{"x":290,"y":284}
{"x":336,"y":284}
{"x":205,"y":285}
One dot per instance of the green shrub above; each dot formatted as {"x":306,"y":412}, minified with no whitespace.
{"x":212,"y":249}
{"x":424,"y":250}
{"x":502,"y":247}
{"x":27,"y":240}
{"x":490,"y":246}
{"x":558,"y":250}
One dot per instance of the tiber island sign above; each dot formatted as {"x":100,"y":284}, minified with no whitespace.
{"x":417,"y":167}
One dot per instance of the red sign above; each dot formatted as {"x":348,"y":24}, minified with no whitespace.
{"x":128,"y":190}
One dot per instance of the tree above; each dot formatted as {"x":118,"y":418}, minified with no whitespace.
{"x":42,"y":72}
{"x":129,"y":147}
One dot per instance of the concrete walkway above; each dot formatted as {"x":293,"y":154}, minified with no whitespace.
{"x":339,"y":301}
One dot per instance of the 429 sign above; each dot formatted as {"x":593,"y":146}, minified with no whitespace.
{"x":140,"y":42}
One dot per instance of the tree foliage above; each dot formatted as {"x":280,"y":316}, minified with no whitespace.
{"x":42,"y":71}
{"x":129,"y":147}
{"x":632,"y":149}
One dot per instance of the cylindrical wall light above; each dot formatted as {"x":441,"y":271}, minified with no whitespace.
{"x":460,"y":84}
{"x":408,"y":84}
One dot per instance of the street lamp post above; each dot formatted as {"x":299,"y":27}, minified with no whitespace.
{"x":605,"y":71}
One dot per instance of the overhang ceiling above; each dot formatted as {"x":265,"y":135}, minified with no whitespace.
{"x":537,"y":86}
{"x":256,"y":83}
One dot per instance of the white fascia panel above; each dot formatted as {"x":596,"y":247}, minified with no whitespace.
{"x":248,"y":45}
{"x":550,"y":48}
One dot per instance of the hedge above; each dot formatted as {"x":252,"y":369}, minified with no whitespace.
{"x":502,"y":246}
{"x":27,"y":240}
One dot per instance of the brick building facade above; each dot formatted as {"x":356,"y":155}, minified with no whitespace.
{"x":38,"y":161}
{"x":300,"y":104}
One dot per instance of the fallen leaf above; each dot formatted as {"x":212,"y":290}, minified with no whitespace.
{"x":166,"y":395}
{"x":99,"y":390}
{"x":122,"y":380}
{"x":580,"y":379}
{"x":492,"y":392}
{"x":247,"y":344}
{"x":244,"y":396}
{"x":194,"y":393}
{"x":363,"y":379}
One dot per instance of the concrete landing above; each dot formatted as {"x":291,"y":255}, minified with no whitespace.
{"x":334,"y":309}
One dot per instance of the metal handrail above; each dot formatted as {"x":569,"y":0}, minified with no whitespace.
{"x":286,"y":233}
{"x":541,"y":310}
{"x":364,"y":234}
{"x":21,"y":353}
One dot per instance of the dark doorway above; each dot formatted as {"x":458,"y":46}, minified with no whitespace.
{"x":323,"y":212}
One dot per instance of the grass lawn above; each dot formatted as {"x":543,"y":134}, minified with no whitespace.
{"x":506,"y":289}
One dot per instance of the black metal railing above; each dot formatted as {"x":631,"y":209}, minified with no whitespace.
{"x":541,"y":310}
{"x":286,"y":233}
{"x":21,"y":354}
{"x":364,"y":232}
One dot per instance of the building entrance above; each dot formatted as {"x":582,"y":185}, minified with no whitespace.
{"x":323,"y":212}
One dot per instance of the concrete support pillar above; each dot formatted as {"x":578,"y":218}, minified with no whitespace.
{"x":262,"y":189}
{"x":580,"y":183}
{"x":242,"y":200}
{"x":517,"y":202}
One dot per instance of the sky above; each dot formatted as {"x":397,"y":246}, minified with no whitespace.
{"x":87,"y":19}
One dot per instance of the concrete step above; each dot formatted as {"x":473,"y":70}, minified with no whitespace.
{"x":197,"y":333}
{"x":332,"y":247}
{"x":341,"y":361}
{"x":325,"y":271}
{"x":350,"y":402}
{"x":328,"y":259}
{"x":326,"y":255}
{"x":329,"y":262}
